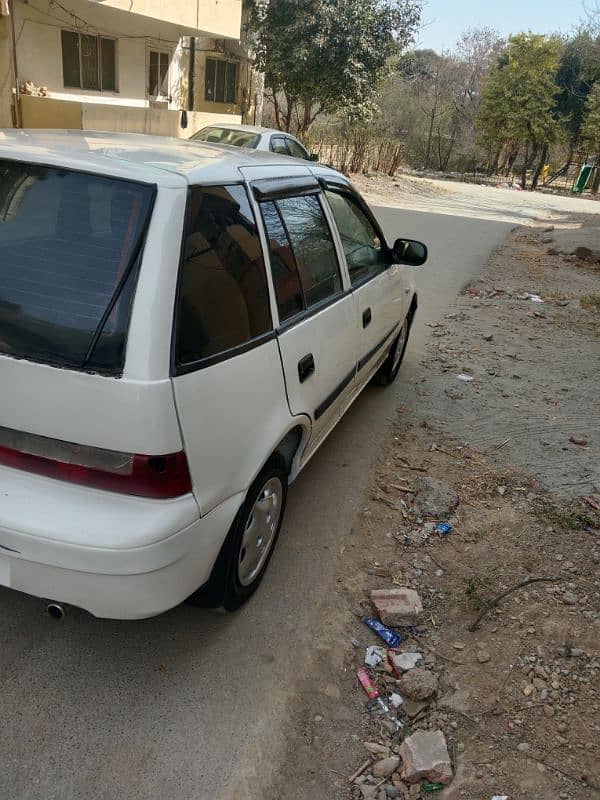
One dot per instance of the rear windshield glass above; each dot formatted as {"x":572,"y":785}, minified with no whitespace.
{"x":69,"y":242}
{"x":227,"y":136}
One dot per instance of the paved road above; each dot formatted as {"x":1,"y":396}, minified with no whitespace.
{"x":180,"y":706}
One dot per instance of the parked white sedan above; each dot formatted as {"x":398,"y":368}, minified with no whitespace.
{"x":181,"y":327}
{"x":255,"y":138}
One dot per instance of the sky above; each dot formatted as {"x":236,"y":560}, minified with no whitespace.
{"x":445,"y":20}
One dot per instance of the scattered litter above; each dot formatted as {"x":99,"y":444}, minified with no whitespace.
{"x":365,"y":681}
{"x":402,"y":662}
{"x":374,"y":655}
{"x":423,"y":533}
{"x":431,"y":787}
{"x":500,"y":797}
{"x":443,"y":528}
{"x":462,"y":376}
{"x":396,"y":700}
{"x":535,"y":298}
{"x":390,"y":637}
{"x":354,"y":642}
{"x":501,"y":490}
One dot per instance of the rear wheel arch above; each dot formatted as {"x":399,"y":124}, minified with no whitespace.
{"x":290,"y":448}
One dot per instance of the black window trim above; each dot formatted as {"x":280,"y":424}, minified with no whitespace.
{"x":208,"y":361}
{"x":283,"y":327}
{"x":341,"y":188}
{"x":288,"y":186}
{"x":268,"y":261}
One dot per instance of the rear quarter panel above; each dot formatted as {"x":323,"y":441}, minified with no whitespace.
{"x":233,"y":414}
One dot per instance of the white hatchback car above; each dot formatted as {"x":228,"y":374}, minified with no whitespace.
{"x":181,"y":326}
{"x":256,"y":138}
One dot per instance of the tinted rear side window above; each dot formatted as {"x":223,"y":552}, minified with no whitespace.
{"x":286,"y":279}
{"x":69,"y":247}
{"x":313,"y":247}
{"x":223,"y":295}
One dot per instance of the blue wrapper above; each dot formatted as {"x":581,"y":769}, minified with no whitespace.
{"x":444,"y":527}
{"x":389,"y":636}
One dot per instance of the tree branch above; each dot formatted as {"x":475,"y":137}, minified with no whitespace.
{"x":493,"y":603}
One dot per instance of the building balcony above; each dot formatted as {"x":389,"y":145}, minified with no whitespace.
{"x":217,"y":18}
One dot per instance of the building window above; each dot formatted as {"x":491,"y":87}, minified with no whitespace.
{"x":158,"y":73}
{"x":89,"y":62}
{"x":220,"y":85}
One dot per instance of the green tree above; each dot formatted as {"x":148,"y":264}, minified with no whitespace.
{"x":579,"y":68}
{"x":328,"y":56}
{"x":590,"y":130}
{"x":519,"y":101}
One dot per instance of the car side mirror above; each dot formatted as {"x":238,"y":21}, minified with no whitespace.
{"x":409,"y":251}
{"x":314,"y":157}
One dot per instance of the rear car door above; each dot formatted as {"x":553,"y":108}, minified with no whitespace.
{"x":316,"y":331}
{"x":377,"y":284}
{"x":228,"y":384}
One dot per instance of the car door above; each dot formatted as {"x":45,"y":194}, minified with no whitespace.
{"x":378,"y":285}
{"x":227,"y":381}
{"x":316,"y":329}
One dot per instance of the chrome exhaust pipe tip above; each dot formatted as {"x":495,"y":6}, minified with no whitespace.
{"x":55,"y":610}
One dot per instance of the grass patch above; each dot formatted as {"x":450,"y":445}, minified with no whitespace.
{"x":591,"y":302}
{"x":570,"y":516}
{"x":472,"y":585}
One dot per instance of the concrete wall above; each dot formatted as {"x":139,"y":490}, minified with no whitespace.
{"x":222,"y":18}
{"x":45,"y":112}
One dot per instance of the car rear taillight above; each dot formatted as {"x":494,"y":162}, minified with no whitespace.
{"x":160,"y":476}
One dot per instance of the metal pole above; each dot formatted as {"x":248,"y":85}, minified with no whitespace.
{"x":11,"y":11}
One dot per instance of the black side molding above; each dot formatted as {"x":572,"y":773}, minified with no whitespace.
{"x":332,"y":396}
{"x":368,"y":356}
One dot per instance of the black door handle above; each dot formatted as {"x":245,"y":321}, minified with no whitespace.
{"x":306,"y":367}
{"x":366,"y":317}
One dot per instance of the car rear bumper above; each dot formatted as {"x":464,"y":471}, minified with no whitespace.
{"x":132,"y":565}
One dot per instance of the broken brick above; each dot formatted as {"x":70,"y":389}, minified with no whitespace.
{"x":397,"y":607}
{"x":425,"y":755}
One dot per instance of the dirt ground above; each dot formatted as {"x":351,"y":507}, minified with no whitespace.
{"x":518,"y":698}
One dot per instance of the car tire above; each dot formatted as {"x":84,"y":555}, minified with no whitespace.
{"x":388,"y":371}
{"x":245,"y":555}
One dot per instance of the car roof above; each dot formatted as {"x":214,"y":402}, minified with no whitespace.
{"x":152,"y":159}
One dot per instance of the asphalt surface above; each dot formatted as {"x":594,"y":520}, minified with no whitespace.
{"x":188,"y":705}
